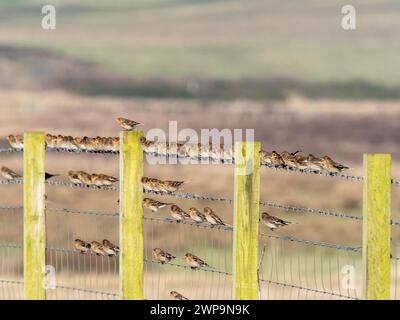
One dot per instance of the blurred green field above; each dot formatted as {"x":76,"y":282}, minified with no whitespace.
{"x":226,"y":40}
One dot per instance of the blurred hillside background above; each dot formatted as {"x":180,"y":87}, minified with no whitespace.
{"x":286,"y":69}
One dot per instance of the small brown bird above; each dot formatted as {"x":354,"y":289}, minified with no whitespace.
{"x":265,"y":157}
{"x":74,"y":177}
{"x":196,"y":215}
{"x":314,"y":163}
{"x":212,"y":218}
{"x":110,"y":249}
{"x":127,"y":124}
{"x":102,"y":180}
{"x":162,"y":256}
{"x":273,"y":222}
{"x":177,"y":296}
{"x":154,"y":205}
{"x":84,"y":177}
{"x":301,"y":162}
{"x":276,"y":159}
{"x":97,"y":248}
{"x":172,"y":186}
{"x":82,"y":246}
{"x":16,"y":141}
{"x":195,"y":262}
{"x":178,"y":214}
{"x":289,"y":159}
{"x":332,"y":166}
{"x":51,"y":141}
{"x":148,"y":145}
{"x":9,"y":174}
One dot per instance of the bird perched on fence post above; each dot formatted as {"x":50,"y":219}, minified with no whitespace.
{"x":273,"y":222}
{"x":195,"y":262}
{"x":162,"y":256}
{"x":110,"y":249}
{"x":82,"y":246}
{"x":177,"y":296}
{"x":212,"y":218}
{"x":127,"y":124}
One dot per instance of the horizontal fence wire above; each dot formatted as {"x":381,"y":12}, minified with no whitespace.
{"x":313,"y":242}
{"x":308,"y":289}
{"x":208,"y":160}
{"x":103,"y":293}
{"x":192,"y":196}
{"x":188,"y":267}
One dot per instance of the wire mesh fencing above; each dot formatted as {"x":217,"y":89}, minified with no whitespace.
{"x":290,"y":267}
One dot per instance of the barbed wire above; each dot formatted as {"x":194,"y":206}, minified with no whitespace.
{"x":11,"y":181}
{"x":84,"y":212}
{"x":189,"y":268}
{"x":88,"y":291}
{"x":189,"y":196}
{"x":204,"y":225}
{"x":12,"y":281}
{"x":208,"y":160}
{"x":11,"y":150}
{"x":58,"y":183}
{"x":314,"y":242}
{"x":307,"y":289}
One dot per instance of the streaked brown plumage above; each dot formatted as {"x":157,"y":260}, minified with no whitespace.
{"x":196,"y":215}
{"x":195,"y":262}
{"x":154,"y":205}
{"x":178,"y":214}
{"x":82,"y":246}
{"x":265,"y":157}
{"x":162,"y":256}
{"x":289,"y":159}
{"x":16,"y":141}
{"x":102,"y":179}
{"x":273,"y":222}
{"x":212,"y":218}
{"x":9,"y":174}
{"x":314,"y":163}
{"x":276,"y":159}
{"x":127,"y":124}
{"x":332,"y":166}
{"x":177,"y":296}
{"x":109,"y":248}
{"x":97,"y":248}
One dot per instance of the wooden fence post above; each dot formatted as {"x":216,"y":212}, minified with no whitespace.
{"x":376,"y":226}
{"x":246,"y":220}
{"x":131,"y":216}
{"x":34,"y":216}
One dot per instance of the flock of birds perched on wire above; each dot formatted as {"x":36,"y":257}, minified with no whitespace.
{"x":218,"y":152}
{"x":214,"y":151}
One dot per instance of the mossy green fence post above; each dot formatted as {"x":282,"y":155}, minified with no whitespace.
{"x":376,"y":226}
{"x":34,"y":216}
{"x":246,"y":220}
{"x":131,"y":216}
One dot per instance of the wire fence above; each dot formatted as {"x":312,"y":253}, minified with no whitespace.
{"x":292,"y":268}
